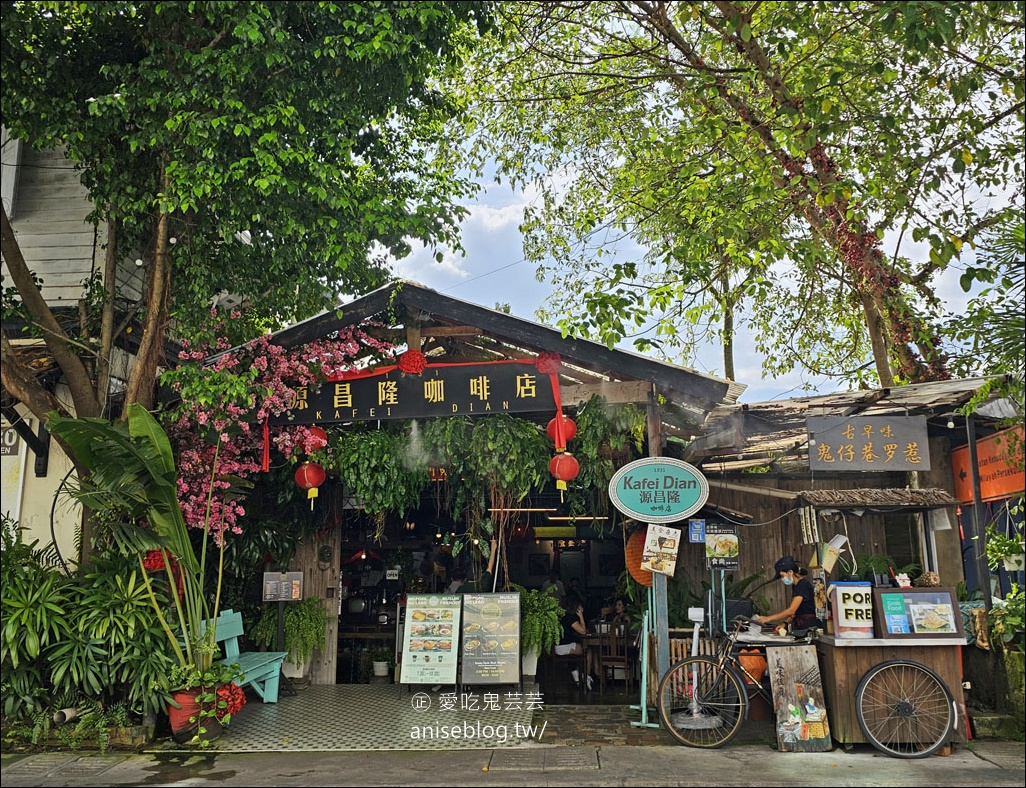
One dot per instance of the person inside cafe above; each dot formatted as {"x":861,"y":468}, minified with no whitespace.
{"x":483,"y":584}
{"x":801,"y":613}
{"x":554,"y":586}
{"x":575,"y":630}
{"x":619,"y":614}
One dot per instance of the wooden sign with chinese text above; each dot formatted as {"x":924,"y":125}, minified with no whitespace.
{"x":868,"y":443}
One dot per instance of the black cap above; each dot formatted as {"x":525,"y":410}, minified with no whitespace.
{"x":786,"y":564}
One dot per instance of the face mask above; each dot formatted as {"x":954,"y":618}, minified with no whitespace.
{"x":788,"y":581}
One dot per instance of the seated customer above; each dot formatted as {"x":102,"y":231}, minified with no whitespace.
{"x":574,"y":632}
{"x":619,"y":614}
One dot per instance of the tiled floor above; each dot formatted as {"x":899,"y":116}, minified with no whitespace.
{"x":345,"y":717}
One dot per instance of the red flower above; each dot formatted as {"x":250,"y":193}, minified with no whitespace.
{"x":548,"y":363}
{"x":412,"y":361}
{"x":234,"y":698}
{"x":154,"y":560}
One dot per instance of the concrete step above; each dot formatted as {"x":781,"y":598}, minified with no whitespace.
{"x":994,"y":725}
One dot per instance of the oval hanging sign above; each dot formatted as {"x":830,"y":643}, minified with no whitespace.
{"x":658,"y":489}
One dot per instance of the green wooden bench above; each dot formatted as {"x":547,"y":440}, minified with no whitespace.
{"x":261,"y":669}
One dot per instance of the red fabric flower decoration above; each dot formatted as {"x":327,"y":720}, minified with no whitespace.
{"x":548,"y":363}
{"x":234,"y":698}
{"x":154,"y":560}
{"x":413,"y":362}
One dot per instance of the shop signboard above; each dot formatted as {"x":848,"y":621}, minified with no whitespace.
{"x":868,"y":443}
{"x":430,"y":636}
{"x":491,"y":638}
{"x":658,"y":490}
{"x":918,"y":613}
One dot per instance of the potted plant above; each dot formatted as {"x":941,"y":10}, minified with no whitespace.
{"x":541,"y":626}
{"x":305,"y":627}
{"x":131,"y":488}
{"x":1005,"y":550}
{"x":382,"y":661}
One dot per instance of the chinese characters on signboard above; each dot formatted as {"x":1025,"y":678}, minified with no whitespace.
{"x":722,"y":549}
{"x":868,"y":443}
{"x":660,"y":552}
{"x":440,"y":390}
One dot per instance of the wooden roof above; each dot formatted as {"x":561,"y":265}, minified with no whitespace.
{"x":773,"y":434}
{"x":450,"y":330}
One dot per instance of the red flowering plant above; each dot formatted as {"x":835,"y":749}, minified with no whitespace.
{"x":230,"y":700}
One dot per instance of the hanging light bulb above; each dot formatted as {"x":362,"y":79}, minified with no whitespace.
{"x":951,"y":423}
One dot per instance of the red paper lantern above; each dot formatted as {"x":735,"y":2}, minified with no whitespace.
{"x":633,"y":551}
{"x":317,"y":438}
{"x":310,"y":476}
{"x":569,"y":429}
{"x":564,"y":467}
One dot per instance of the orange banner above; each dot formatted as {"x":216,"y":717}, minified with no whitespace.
{"x":1001,"y":476}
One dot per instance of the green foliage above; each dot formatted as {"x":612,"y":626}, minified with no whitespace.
{"x":1007,"y":619}
{"x":305,"y":625}
{"x":132,"y":480}
{"x":831,"y":136}
{"x":1001,"y":546}
{"x":383,"y":655}
{"x":541,"y":627}
{"x":373,"y":466}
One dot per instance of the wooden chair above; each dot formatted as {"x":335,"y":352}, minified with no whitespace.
{"x":560,"y":666}
{"x":614,"y":651}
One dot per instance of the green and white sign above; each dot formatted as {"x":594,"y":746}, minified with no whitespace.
{"x":658,"y":490}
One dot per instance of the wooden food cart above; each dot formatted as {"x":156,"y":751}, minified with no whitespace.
{"x":914,"y":625}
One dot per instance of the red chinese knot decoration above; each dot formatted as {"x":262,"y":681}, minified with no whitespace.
{"x":412,"y":362}
{"x":310,"y":476}
{"x":548,"y":363}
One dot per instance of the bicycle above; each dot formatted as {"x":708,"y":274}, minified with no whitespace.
{"x":903,"y":707}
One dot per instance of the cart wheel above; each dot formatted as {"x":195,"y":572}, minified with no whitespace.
{"x":904,"y":709}
{"x":700,"y":704}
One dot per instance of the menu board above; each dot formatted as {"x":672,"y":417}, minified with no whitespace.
{"x":430,"y":638}
{"x":918,"y":613}
{"x":491,"y":638}
{"x":660,"y":551}
{"x":283,"y":586}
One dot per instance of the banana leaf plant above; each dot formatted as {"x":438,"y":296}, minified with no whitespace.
{"x":131,"y":490}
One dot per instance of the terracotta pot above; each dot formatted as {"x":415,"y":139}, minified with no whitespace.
{"x":185,"y":721}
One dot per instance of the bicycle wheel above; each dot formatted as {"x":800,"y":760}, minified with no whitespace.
{"x":701,"y":704}
{"x":904,"y":709}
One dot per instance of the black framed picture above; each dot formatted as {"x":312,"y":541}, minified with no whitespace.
{"x":538,"y":564}
{"x":917,"y":613}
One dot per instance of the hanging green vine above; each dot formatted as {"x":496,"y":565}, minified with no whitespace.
{"x":377,"y":467}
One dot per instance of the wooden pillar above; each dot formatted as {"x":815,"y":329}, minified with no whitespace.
{"x":320,"y":580}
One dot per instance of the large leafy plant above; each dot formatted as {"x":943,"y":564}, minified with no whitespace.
{"x":132,"y":489}
{"x":541,"y":626}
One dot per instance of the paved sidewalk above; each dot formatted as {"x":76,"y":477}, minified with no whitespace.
{"x":980,"y":763}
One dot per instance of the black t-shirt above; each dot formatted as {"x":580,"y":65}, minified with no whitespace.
{"x":570,"y":635}
{"x":805,"y":615}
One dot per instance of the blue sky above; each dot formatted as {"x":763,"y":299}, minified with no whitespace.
{"x":493,"y":270}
